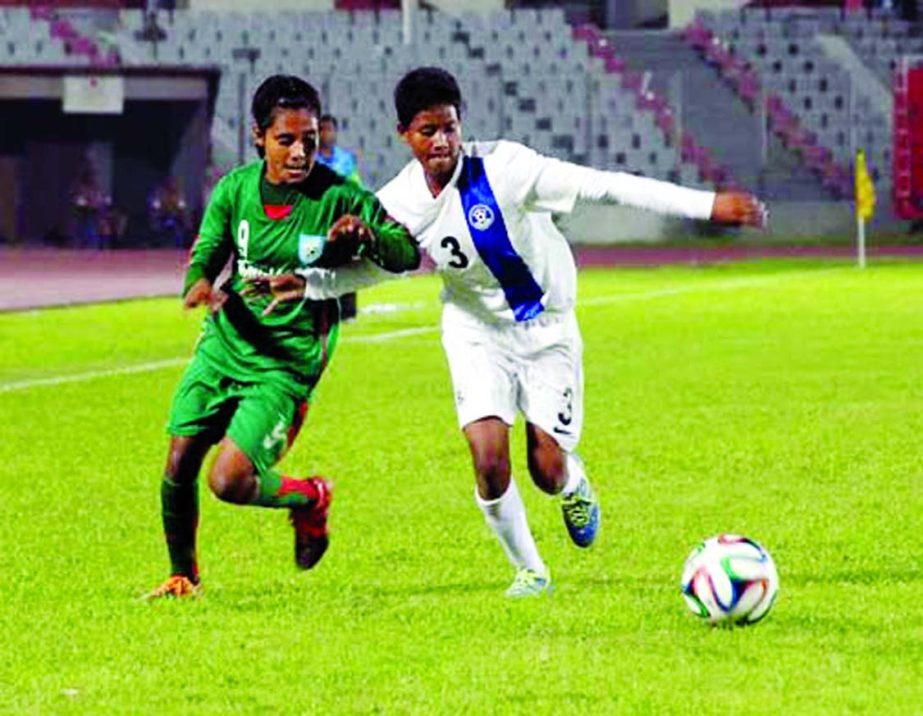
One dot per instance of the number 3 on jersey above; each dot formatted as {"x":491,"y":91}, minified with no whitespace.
{"x":459,"y":259}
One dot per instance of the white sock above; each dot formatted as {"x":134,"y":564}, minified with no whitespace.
{"x":506,"y":516}
{"x":575,"y":473}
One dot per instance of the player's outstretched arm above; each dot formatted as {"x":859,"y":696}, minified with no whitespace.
{"x":557,"y":185}
{"x":316,"y":284}
{"x":368,"y":252}
{"x":739,"y":208}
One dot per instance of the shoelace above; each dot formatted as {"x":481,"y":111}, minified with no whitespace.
{"x":577,"y":508}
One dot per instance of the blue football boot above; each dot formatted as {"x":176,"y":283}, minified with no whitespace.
{"x":581,"y":514}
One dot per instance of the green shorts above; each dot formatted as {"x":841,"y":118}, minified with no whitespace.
{"x":262,"y":418}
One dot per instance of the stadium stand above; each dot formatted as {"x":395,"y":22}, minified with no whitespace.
{"x":526,"y":74}
{"x":811,"y":66}
{"x":40,"y":36}
{"x":822,"y":77}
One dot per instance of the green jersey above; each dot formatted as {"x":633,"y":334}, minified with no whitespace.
{"x":292,"y":344}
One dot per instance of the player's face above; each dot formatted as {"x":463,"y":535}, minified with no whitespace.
{"x":290,"y":145}
{"x":434,"y":136}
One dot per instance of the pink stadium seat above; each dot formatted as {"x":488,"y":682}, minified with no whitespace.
{"x":615,"y":65}
{"x":697,"y":35}
{"x":586,"y":32}
{"x":42,"y":12}
{"x":62,"y":30}
{"x":648,"y":102}
{"x":600,"y":47}
{"x":664,"y":120}
{"x":631,"y":80}
{"x":687,"y":146}
{"x":746,"y":83}
{"x":718,"y":54}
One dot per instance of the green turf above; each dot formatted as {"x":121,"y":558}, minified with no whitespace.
{"x":777,"y":399}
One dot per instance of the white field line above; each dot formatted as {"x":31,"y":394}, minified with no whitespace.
{"x":380,"y":308}
{"x":387,"y":336}
{"x":91,"y":375}
{"x":729,"y":285}
{"x":391,"y":335}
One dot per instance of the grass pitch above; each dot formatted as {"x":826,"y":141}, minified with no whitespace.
{"x":781,"y":400}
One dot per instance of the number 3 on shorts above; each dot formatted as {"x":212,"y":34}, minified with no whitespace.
{"x":566,"y":416}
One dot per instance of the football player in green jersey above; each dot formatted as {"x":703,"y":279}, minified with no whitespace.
{"x":257,"y":361}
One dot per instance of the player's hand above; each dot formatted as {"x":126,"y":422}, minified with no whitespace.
{"x":347,"y":235}
{"x":740,"y":208}
{"x":283,"y":288}
{"x":202,"y":292}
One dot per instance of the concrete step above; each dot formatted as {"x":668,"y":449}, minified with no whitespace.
{"x":713,"y":113}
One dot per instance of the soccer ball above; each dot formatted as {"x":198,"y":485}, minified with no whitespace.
{"x":728,"y":580}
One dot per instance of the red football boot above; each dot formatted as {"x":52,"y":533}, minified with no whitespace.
{"x":178,"y":586}
{"x":310,"y":522}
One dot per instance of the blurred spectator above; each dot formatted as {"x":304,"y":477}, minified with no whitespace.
{"x":112,"y":224}
{"x":344,"y":163}
{"x":151,"y":31}
{"x":168,"y":213}
{"x":89,"y":203}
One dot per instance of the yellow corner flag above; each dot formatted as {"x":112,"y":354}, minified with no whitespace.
{"x":865,"y":189}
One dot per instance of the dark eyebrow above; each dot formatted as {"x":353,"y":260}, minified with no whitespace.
{"x":292,"y":134}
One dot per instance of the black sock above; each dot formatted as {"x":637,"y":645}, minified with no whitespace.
{"x":179,"y":506}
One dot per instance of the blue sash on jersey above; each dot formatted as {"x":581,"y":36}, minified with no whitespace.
{"x":492,"y":241}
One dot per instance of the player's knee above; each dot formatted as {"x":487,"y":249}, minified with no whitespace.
{"x":547,"y":468}
{"x":492,"y":470}
{"x":174,"y":470}
{"x":183,"y":462}
{"x":231,"y":485}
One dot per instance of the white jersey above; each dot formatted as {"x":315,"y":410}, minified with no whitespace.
{"x":490,"y":231}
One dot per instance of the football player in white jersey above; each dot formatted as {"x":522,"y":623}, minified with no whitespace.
{"x":482,"y":211}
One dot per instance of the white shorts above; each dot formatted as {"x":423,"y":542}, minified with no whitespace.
{"x":534,"y":368}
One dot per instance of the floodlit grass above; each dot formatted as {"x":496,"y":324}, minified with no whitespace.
{"x":777,"y":399}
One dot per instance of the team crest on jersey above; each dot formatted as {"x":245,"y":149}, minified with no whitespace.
{"x":310,"y":247}
{"x":481,"y":216}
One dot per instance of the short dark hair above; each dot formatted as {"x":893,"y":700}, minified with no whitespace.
{"x":282,"y":91}
{"x":329,"y":118}
{"x":423,"y":88}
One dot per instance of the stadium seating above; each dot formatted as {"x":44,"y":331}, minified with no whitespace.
{"x":811,"y":90}
{"x":38,"y":36}
{"x":524,"y":73}
{"x":24,"y":41}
